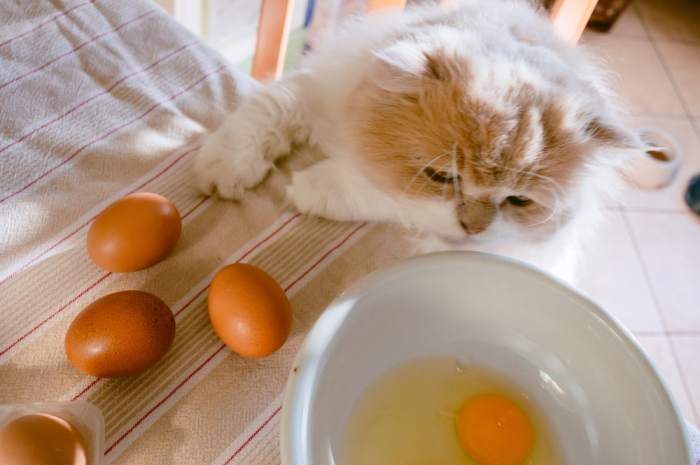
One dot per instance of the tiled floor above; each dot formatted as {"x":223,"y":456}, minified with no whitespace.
{"x":646,"y":268}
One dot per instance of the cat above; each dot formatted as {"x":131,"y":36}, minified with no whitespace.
{"x":474,"y":124}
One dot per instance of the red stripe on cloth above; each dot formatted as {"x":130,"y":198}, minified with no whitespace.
{"x":99,"y":94}
{"x":71,"y":52}
{"x":50,"y":317}
{"x":164,"y":399}
{"x":112,"y":131}
{"x":201,"y":291}
{"x":80,"y":294}
{"x":251,"y":250}
{"x":50,"y":20}
{"x":352,"y":233}
{"x":203,"y":364}
{"x":141,"y":186}
{"x":86,"y":389}
{"x":277,"y":410}
{"x":245,"y":255}
{"x":252,"y":436}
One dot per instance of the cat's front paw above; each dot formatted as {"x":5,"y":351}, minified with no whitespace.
{"x":319,"y":190}
{"x":305,"y":193}
{"x":228,"y":170}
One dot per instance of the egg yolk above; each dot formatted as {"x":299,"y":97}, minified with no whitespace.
{"x":493,"y":430}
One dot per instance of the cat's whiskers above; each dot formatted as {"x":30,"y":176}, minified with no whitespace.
{"x":426,"y":182}
{"x":553,"y":211}
{"x":448,"y":168}
{"x":455,"y":175}
{"x":422,"y":169}
{"x":554,"y":188}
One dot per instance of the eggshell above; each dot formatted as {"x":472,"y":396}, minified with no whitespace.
{"x":134,"y":233}
{"x":120,"y":334}
{"x":249,"y":311}
{"x":41,"y":439}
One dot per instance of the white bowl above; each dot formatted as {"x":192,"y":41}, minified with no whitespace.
{"x":602,"y":396}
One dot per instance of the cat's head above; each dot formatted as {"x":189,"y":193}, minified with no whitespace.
{"x":489,"y":144}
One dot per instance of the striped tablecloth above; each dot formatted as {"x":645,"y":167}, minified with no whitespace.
{"x":99,"y":99}
{"x":102,"y":98}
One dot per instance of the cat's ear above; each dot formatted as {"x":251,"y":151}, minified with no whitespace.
{"x":619,"y":143}
{"x":441,"y":66}
{"x":404,"y":67}
{"x":613,"y":135}
{"x":399,"y":68}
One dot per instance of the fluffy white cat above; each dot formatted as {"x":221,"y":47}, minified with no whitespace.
{"x":473,"y":124}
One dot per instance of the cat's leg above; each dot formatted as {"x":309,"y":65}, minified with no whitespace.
{"x":239,"y":154}
{"x":334,"y":189}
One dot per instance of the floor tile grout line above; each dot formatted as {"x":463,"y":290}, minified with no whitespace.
{"x":642,"y":20}
{"x":625,"y":210}
{"x":638,"y":12}
{"x":677,"y":42}
{"x":696,"y":129}
{"x":676,"y":88}
{"x":662,"y":316}
{"x":635,"y":244}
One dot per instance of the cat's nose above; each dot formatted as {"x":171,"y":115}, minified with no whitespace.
{"x":472,"y":229}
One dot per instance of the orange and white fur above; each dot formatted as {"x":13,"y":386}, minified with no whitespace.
{"x":473,"y":124}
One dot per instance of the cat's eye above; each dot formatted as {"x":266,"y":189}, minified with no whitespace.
{"x":518,"y":200}
{"x":442,"y":177}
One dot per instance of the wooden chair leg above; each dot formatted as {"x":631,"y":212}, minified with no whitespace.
{"x":571,"y":16}
{"x":271,"y":42}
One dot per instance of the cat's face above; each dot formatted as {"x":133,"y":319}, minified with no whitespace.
{"x":491,"y":160}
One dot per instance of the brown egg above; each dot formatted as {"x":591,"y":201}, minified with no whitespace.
{"x":134,"y":233}
{"x":249,"y":311}
{"x":120,"y":334}
{"x":41,"y":439}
